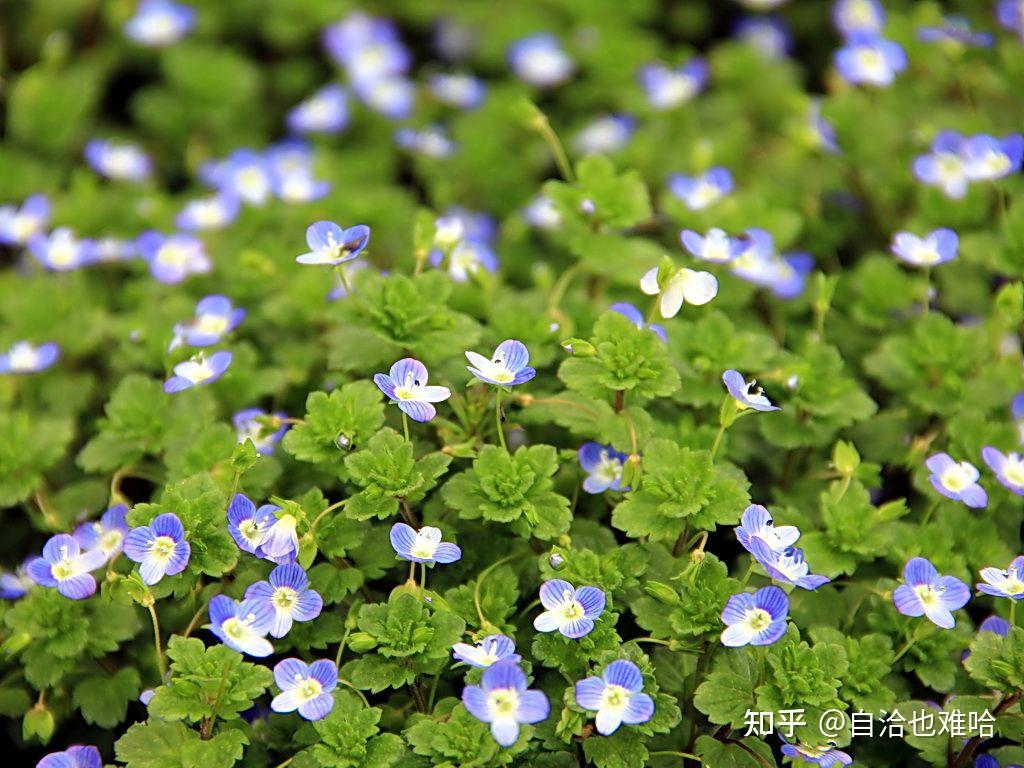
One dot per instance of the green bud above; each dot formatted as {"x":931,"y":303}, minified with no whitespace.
{"x":579,"y":347}
{"x":38,"y":723}
{"x":360,"y":642}
{"x":663,"y":593}
{"x":845,"y":458}
{"x":16,"y":643}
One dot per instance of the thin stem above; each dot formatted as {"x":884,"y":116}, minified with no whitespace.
{"x":286,"y":762}
{"x":412,"y":572}
{"x":322,"y":515}
{"x":670,"y":753}
{"x":749,"y":573}
{"x":423,"y":577}
{"x":718,"y":441}
{"x":543,"y":127}
{"x":160,"y":660}
{"x":405,"y":426}
{"x":341,"y":647}
{"x":929,"y":512}
{"x":1013,"y":612}
{"x":480,"y":580}
{"x":497,"y":418}
{"x":350,"y":684}
{"x":927,"y":290}
{"x":340,"y":269}
{"x":433,"y":686}
{"x":652,"y":313}
{"x":652,"y":640}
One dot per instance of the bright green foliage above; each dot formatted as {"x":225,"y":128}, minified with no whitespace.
{"x":455,"y":737}
{"x":161,"y":744}
{"x":335,"y":423}
{"x":350,"y":737}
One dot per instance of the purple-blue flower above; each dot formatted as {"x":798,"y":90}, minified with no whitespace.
{"x":197,"y":371}
{"x":330,"y":244}
{"x":61,"y":250}
{"x":636,"y":317}
{"x":490,"y":650}
{"x":858,"y":17}
{"x":787,"y":566}
{"x":459,"y":90}
{"x":1010,"y":14}
{"x":937,"y":247}
{"x":159,"y":548}
{"x":823,"y":755}
{"x":17,"y":225}
{"x":768,"y":35}
{"x":281,"y":544}
{"x":465,"y":259}
{"x":215,"y":211}
{"x":757,"y":524}
{"x":299,"y":186}
{"x":106,"y":534}
{"x":24,"y":357}
{"x":119,"y":161}
{"x":14,"y":586}
{"x":604,"y":135}
{"x":248,"y":525}
{"x":616,"y":696}
{"x":956,"y":480}
{"x":757,"y":618}
{"x":406,"y":385}
{"x":158,"y":23}
{"x":215,"y":317}
{"x":988,"y":158}
{"x":77,"y":756}
{"x":603,"y":465}
{"x":669,"y":87}
{"x":868,"y":59}
{"x":926,"y":593}
{"x":429,"y":141}
{"x":509,"y":366}
{"x":569,"y":610}
{"x":956,"y":30}
{"x":945,"y":166}
{"x":174,"y":257}
{"x":760,"y":264}
{"x":367,"y":47}
{"x":1009,"y":468}
{"x":393,"y":97}
{"x":242,"y":625}
{"x":997,"y":625}
{"x":326,"y":111}
{"x":245,"y":174}
{"x":65,"y":566}
{"x":541,"y":213}
{"x":248,"y":426}
{"x":503,"y":700}
{"x":716,"y":246}
{"x":540,"y":60}
{"x":1008,"y":583}
{"x":289,"y":596}
{"x":423,"y":546}
{"x":746,"y":393}
{"x":699,"y":192}
{"x":307,"y":688}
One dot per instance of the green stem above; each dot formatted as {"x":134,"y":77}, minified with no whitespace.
{"x":543,"y":127}
{"x":350,"y":684}
{"x":670,"y":753}
{"x":718,"y":441}
{"x":927,"y":290}
{"x":652,"y":640}
{"x":1013,"y":612}
{"x":160,"y":660}
{"x":405,"y":427}
{"x":929,"y":512}
{"x":423,"y":577}
{"x":341,"y":647}
{"x":480,"y":581}
{"x":322,"y":515}
{"x":340,"y":268}
{"x":497,"y":418}
{"x":749,"y":573}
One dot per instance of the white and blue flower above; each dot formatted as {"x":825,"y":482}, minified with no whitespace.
{"x":1008,"y":583}
{"x":509,"y":366}
{"x":330,"y":244}
{"x":852,"y":17}
{"x":503,"y":700}
{"x":603,"y":465}
{"x":248,"y":525}
{"x":757,"y":524}
{"x":616,"y":696}
{"x":429,"y":141}
{"x":287,"y":592}
{"x":569,"y":610}
{"x":242,"y":626}
{"x":716,"y":247}
{"x":174,"y":257}
{"x":77,"y":756}
{"x":787,"y":566}
{"x":159,"y":548}
{"x":215,"y":317}
{"x":746,"y":393}
{"x":459,"y":90}
{"x":17,"y":225}
{"x":669,"y":87}
{"x":306,"y":688}
{"x":159,"y":23}
{"x":823,"y":755}
{"x":62,"y":250}
{"x":119,"y":161}
{"x":937,"y":247}
{"x":106,"y":534}
{"x":215,"y":211}
{"x":326,"y":111}
{"x":682,"y":286}
{"x":926,"y":593}
{"x":868,"y":59}
{"x":1009,"y":468}
{"x":945,"y":166}
{"x":250,"y":425}
{"x":988,"y":158}
{"x":198,"y":370}
{"x":757,"y":618}
{"x":423,"y":546}
{"x":281,"y":544}
{"x":490,"y":650}
{"x":25,"y":357}
{"x":406,"y":385}
{"x":701,"y":191}
{"x":540,"y":60}
{"x":66,"y":567}
{"x":604,"y":135}
{"x":956,"y":480}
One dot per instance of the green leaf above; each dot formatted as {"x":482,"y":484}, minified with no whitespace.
{"x":135,"y":425}
{"x":336,"y":423}
{"x":28,"y":448}
{"x":162,"y":744}
{"x":104,"y":699}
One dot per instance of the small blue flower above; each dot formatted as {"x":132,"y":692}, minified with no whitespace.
{"x":330,"y":244}
{"x":159,"y":548}
{"x":821,"y":132}
{"x":158,"y":23}
{"x":997,"y":625}
{"x":540,"y":60}
{"x":769,"y":35}
{"x":172,"y":258}
{"x":422,"y":546}
{"x":281,"y":544}
{"x":603,"y":465}
{"x":937,"y":247}
{"x":746,"y":393}
{"x":1017,"y":413}
{"x":287,"y":592}
{"x":683,"y":286}
{"x":17,"y":225}
{"x":367,"y":47}
{"x":715,"y":247}
{"x":988,"y":158}
{"x":956,"y":480}
{"x":24,"y":357}
{"x":248,"y":426}
{"x":509,"y":366}
{"x":245,"y":174}
{"x":787,"y":566}
{"x":107,"y":534}
{"x":757,"y":524}
{"x":307,"y":688}
{"x":945,"y":166}
{"x":1010,"y":14}
{"x":569,"y":610}
{"x":491,"y":649}
{"x":636,"y":317}
{"x":605,"y":135}
{"x":242,"y":626}
{"x":65,"y":566}
{"x":77,"y":756}
{"x":466,"y":259}
{"x":300,"y":186}
{"x":406,"y":385}
{"x":113,"y":249}
{"x":853,"y":17}
{"x":926,"y":593}
{"x":785,"y":275}
{"x":215,"y":317}
{"x":757,"y":618}
{"x":956,"y":31}
{"x":868,"y":59}
{"x":118,"y":161}
{"x":213,"y":212}
{"x":430,"y":141}
{"x":14,"y":586}
{"x":669,"y":87}
{"x":198,"y":370}
{"x":458,"y":90}
{"x":1009,"y":468}
{"x":1008,"y":583}
{"x":248,"y":525}
{"x":700,"y":192}
{"x":392,"y":97}
{"x":616,"y":696}
{"x":326,"y":111}
{"x":61,"y":250}
{"x":503,"y":700}
{"x":824,"y":755}
{"x":541,"y":213}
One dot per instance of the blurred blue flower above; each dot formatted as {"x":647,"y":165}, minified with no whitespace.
{"x":215,"y":317}
{"x":945,"y":166}
{"x":61,"y":250}
{"x":669,"y":87}
{"x":604,"y":135}
{"x":212,"y":212}
{"x":106,"y":534}
{"x":540,"y":60}
{"x":824,"y":755}
{"x":459,"y":90}
{"x":956,"y":30}
{"x":17,"y":225}
{"x":172,"y":258}
{"x":988,"y":158}
{"x":702,"y":191}
{"x":430,"y":141}
{"x":867,"y":59}
{"x":1009,"y":468}
{"x":119,"y":161}
{"x":24,"y":357}
{"x":158,"y":23}
{"x":77,"y":756}
{"x":636,"y":317}
{"x":852,"y":17}
{"x":937,"y":247}
{"x":326,"y":111}
{"x":197,"y":371}
{"x":769,"y":35}
{"x":1010,"y":14}
{"x":716,"y":246}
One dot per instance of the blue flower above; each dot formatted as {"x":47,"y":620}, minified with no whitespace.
{"x":330,"y":244}
{"x":242,"y":626}
{"x":248,"y":426}
{"x":617,"y":696}
{"x":716,"y":246}
{"x":787,"y":566}
{"x":24,"y":357}
{"x":603,"y":465}
{"x":824,"y":755}
{"x":669,"y":87}
{"x":77,"y":756}
{"x":430,"y":141}
{"x":956,"y":480}
{"x":784,"y":275}
{"x":299,"y":186}
{"x":996,"y":625}
{"x":17,"y":225}
{"x":459,"y":90}
{"x":746,"y":393}
{"x":956,"y":31}
{"x":393,"y":97}
{"x":214,"y":318}
{"x":118,"y":160}
{"x":945,"y":166}
{"x":14,"y":586}
{"x":1009,"y":468}
{"x":107,"y":534}
{"x":937,"y":247}
{"x":702,"y":191}
{"x":1008,"y":583}
{"x":159,"y":548}
{"x":757,"y":618}
{"x":503,"y":700}
{"x":172,"y":258}
{"x":540,"y":60}
{"x":198,"y":370}
{"x":406,"y":385}
{"x":853,"y":17}
{"x":1017,"y":413}
{"x":61,"y":250}
{"x":509,"y":366}
{"x":65,"y":566}
{"x":305,"y":687}
{"x":114,"y":249}
{"x":466,"y":259}
{"x":604,"y":135}
{"x":158,"y":23}
{"x":491,"y":649}
{"x":868,"y":59}
{"x":245,"y":174}
{"x":423,"y":546}
{"x":213,"y":212}
{"x":367,"y":47}
{"x":326,"y":111}
{"x":281,"y":544}
{"x":287,"y":592}
{"x":1010,"y":14}
{"x":926,"y":593}
{"x":682,"y":286}
{"x":769,"y":36}
{"x":569,"y":610}
{"x":820,"y":132}
{"x":988,"y":158}
{"x":636,"y":317}
{"x":247,"y":525}
{"x":757,"y":524}
{"x":541,"y":213}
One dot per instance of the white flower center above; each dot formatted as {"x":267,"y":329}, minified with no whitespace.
{"x":956,"y":478}
{"x":503,"y":702}
{"x":308,"y":688}
{"x":758,"y":619}
{"x":284,"y":598}
{"x":162,"y":547}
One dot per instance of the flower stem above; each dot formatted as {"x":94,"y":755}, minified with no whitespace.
{"x":543,"y":127}
{"x":670,"y":753}
{"x":160,"y":660}
{"x":1013,"y":612}
{"x":340,"y":268}
{"x":405,"y":427}
{"x":480,"y":580}
{"x":718,"y":441}
{"x":334,"y":506}
{"x":423,"y":577}
{"x":497,"y":419}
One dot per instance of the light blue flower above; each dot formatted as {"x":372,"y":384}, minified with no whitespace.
{"x":491,"y":649}
{"x":77,"y":756}
{"x":945,"y":166}
{"x":61,"y":250}
{"x":459,"y":90}
{"x":17,"y":225}
{"x":406,"y":385}
{"x":245,"y":174}
{"x":604,"y":135}
{"x":248,"y":525}
{"x":1010,"y":14}
{"x":213,"y":212}
{"x":289,"y":596}
{"x":636,"y":317}
{"x":616,"y":696}
{"x":466,"y":259}
{"x":757,"y":524}
{"x":24,"y":357}
{"x":65,"y":566}
{"x":281,"y":544}
{"x":768,"y":35}
{"x":1008,"y":583}
{"x":330,"y":244}
{"x":820,"y":131}
{"x":326,"y":111}
{"x":14,"y":586}
{"x":787,"y":566}
{"x":956,"y":480}
{"x":107,"y":534}
{"x":1009,"y":468}
{"x":823,"y":755}
{"x":215,"y":317}
{"x":198,"y":370}
{"x":307,"y":688}
{"x":366,"y":46}
{"x":937,"y":247}
{"x":300,"y":186}
{"x":159,"y":548}
{"x":868,"y":59}
{"x":249,"y":425}
{"x":541,"y":213}
{"x":715,"y":247}
{"x":423,"y":546}
{"x":682,"y":286}
{"x":669,"y":87}
{"x":503,"y":700}
{"x":603,"y":465}
{"x":757,"y":618}
{"x":242,"y":626}
{"x":569,"y":610}
{"x":785,"y":275}
{"x":746,"y":393}
{"x":509,"y":366}
{"x":540,"y":60}
{"x":988,"y":158}
{"x":701,"y":191}
{"x":172,"y":258}
{"x":159,"y":23}
{"x":114,"y":249}
{"x":119,"y":161}
{"x":853,"y":17}
{"x":430,"y":141}
{"x":956,"y":31}
{"x":926,"y":593}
